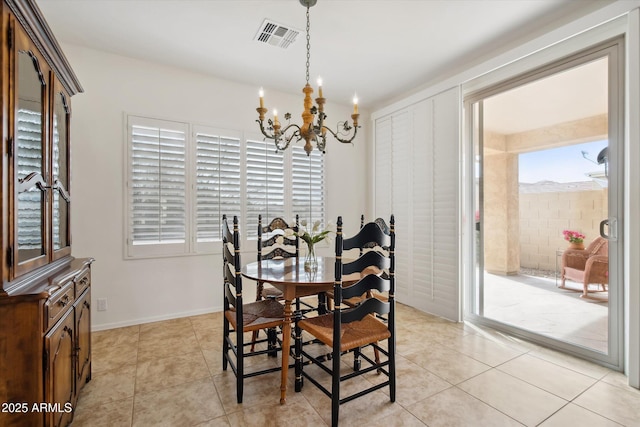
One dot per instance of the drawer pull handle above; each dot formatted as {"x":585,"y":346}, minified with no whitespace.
{"x":64,"y":301}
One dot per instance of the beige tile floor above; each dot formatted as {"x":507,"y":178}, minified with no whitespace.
{"x":170,"y":374}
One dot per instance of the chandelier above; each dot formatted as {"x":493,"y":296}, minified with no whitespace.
{"x":313,"y":128}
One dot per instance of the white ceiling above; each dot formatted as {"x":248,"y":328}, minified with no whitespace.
{"x":380,"y":49}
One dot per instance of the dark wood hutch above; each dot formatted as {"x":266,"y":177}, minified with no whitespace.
{"x":45,"y":298}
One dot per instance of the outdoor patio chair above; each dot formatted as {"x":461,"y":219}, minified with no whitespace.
{"x":587,"y":266}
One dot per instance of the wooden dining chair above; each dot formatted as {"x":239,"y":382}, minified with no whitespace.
{"x":279,"y":240}
{"x":241,"y":318}
{"x":275,"y":243}
{"x":352,"y":329}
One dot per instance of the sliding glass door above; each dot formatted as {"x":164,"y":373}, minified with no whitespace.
{"x":546,"y":191}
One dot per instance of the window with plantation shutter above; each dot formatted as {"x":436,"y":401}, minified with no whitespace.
{"x":183,"y":177}
{"x":218,"y":186}
{"x":307,"y":184}
{"x":265,"y":184}
{"x":157,"y":185}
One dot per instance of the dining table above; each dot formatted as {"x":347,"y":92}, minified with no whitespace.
{"x":289,"y":276}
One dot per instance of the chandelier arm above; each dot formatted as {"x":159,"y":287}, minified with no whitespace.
{"x":262,"y":129}
{"x":337,"y":137}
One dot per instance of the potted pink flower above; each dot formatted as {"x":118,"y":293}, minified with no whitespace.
{"x":575,"y":238}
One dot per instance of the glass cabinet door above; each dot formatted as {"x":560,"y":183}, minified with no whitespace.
{"x":60,"y":172}
{"x":29,"y":168}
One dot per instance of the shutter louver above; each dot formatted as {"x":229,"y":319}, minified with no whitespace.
{"x":158,"y":183}
{"x":264,"y":185}
{"x":308,"y":184}
{"x":383,"y":168}
{"x":29,"y":160}
{"x":57,"y":243}
{"x":217,"y":183}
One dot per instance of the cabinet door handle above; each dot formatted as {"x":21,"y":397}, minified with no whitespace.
{"x":64,"y":301}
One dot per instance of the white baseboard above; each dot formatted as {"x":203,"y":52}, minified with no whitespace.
{"x":133,"y":322}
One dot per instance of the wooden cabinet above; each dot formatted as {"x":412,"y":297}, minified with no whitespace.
{"x":45,"y":297}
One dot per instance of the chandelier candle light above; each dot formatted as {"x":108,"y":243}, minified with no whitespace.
{"x":309,"y":131}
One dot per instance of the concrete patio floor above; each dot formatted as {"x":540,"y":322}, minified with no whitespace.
{"x":538,"y":305}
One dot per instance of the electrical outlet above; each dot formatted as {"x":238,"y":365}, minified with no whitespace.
{"x":102,"y":304}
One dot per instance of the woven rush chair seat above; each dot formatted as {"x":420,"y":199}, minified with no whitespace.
{"x":258,"y":315}
{"x":269,"y":292}
{"x":352,"y":335}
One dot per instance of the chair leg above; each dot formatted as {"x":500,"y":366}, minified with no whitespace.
{"x":225,"y":344}
{"x":239,"y":365}
{"x":271,"y":342}
{"x":392,"y":368}
{"x":357,"y":363}
{"x":254,"y":338}
{"x":335,"y":388}
{"x":298,"y":358}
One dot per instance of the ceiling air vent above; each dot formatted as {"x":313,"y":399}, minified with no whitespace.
{"x":276,"y":34}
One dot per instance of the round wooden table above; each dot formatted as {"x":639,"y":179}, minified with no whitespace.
{"x":289,"y":276}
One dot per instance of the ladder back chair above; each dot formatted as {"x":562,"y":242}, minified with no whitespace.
{"x":351,"y":329}
{"x":241,"y":318}
{"x":276,"y":240}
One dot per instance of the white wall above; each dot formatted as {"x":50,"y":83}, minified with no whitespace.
{"x":140,"y":291}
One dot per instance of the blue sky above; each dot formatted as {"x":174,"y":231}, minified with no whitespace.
{"x":564,"y":164}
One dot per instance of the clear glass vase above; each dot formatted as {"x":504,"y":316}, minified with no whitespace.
{"x":311,"y":261}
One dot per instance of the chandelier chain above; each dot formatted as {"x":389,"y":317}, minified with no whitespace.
{"x":308,"y":45}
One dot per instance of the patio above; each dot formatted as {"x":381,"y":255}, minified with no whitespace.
{"x":535,"y":303}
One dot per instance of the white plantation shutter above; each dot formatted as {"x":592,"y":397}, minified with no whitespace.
{"x":217,"y":163}
{"x":307,"y":182}
{"x":157,"y":185}
{"x":446,"y":178}
{"x":420,"y":145}
{"x":383,"y":167}
{"x":400,"y":199}
{"x":422,"y":162}
{"x":265,"y":187}
{"x":182,"y":178}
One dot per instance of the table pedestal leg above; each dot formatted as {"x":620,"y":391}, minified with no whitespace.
{"x":286,"y":344}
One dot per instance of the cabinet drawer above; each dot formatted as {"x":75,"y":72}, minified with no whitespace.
{"x":83,"y":281}
{"x":59,"y":303}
